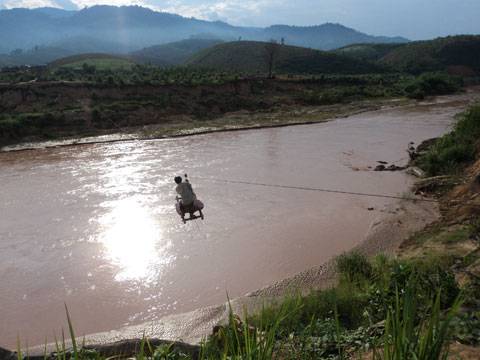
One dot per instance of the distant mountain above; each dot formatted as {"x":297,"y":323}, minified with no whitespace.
{"x":175,"y":53}
{"x":56,"y":12}
{"x":250,"y":57}
{"x":131,"y":28}
{"x":325,"y":37}
{"x":41,"y":55}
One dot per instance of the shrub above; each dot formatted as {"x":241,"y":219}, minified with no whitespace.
{"x":454,"y":149}
{"x":429,"y":275}
{"x":432,"y":84}
{"x":354,"y":267}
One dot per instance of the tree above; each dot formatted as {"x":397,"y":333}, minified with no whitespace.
{"x":271,"y":51}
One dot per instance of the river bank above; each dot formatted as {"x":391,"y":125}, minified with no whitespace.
{"x":184,"y":126}
{"x":62,"y":110}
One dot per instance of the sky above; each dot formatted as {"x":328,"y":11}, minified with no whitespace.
{"x":414,"y":19}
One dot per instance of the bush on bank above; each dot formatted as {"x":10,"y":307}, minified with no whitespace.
{"x":453,"y":151}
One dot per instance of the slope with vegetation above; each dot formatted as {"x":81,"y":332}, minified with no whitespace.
{"x":456,"y":54}
{"x":70,"y":101}
{"x":176,"y":53}
{"x":93,"y":62}
{"x":367,"y":52}
{"x":252,"y":57}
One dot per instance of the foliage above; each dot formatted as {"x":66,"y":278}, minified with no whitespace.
{"x":412,"y":318}
{"x":405,"y":339}
{"x":367,"y":52}
{"x":454,"y":53}
{"x":118,"y":72}
{"x":430,"y":275}
{"x":466,"y":328}
{"x":432,"y":84}
{"x":175,"y":53}
{"x":454,"y":150}
{"x":168,"y":352}
{"x":354,"y":267}
{"x":249,"y":57}
{"x":239,"y":340}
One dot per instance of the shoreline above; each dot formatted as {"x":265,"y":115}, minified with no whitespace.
{"x":264,"y":120}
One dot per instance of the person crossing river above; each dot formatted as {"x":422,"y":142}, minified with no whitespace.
{"x":187,"y":201}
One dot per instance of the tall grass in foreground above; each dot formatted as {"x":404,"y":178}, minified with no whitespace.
{"x":389,"y":309}
{"x":405,"y":340}
{"x":240,"y":339}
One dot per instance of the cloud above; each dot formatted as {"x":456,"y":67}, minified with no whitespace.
{"x":61,"y":4}
{"x":9,"y":4}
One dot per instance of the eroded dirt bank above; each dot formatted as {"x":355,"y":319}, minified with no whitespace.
{"x":53,"y":110}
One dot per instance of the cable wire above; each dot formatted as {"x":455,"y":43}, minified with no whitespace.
{"x":306,"y":188}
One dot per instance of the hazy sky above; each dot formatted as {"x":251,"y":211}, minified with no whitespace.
{"x":415,"y":19}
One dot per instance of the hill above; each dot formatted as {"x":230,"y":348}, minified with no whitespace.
{"x":131,"y":28}
{"x":100,"y":61}
{"x":250,"y":57}
{"x":367,"y":52}
{"x":456,"y":54}
{"x":175,"y":53}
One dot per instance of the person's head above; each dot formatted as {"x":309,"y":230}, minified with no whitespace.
{"x":178,"y":179}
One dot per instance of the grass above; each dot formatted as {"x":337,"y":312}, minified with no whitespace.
{"x":405,"y":340}
{"x":354,"y":267}
{"x":100,"y":64}
{"x":99,"y":61}
{"x":395,"y":310}
{"x":452,"y":152}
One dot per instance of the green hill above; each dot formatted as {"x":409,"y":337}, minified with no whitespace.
{"x":251,"y":57}
{"x":367,"y":52}
{"x":100,"y":61}
{"x":456,"y":54}
{"x":175,"y":53}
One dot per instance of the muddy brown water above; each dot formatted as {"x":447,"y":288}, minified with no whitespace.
{"x":94,"y":226}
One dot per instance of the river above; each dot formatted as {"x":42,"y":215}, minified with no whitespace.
{"x":94,"y":226}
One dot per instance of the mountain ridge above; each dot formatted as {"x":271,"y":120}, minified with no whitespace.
{"x":136,"y":27}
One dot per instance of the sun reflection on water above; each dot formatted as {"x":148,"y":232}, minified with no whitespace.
{"x":133,"y":241}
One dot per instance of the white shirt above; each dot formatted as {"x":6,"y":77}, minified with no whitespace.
{"x":186,"y":193}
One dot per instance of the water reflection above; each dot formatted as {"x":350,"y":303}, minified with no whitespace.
{"x":133,"y":241}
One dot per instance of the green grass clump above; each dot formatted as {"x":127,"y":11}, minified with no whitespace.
{"x":405,"y":339}
{"x":452,"y":151}
{"x":354,"y":267}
